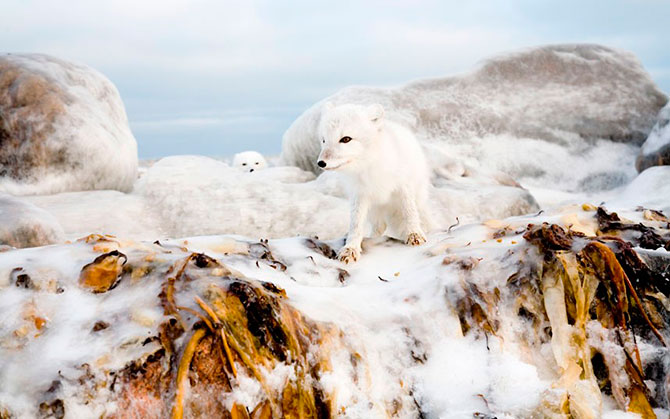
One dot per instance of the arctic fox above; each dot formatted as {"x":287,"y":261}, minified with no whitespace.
{"x":385,"y":170}
{"x":249,"y":161}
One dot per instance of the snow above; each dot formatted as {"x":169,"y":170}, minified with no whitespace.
{"x":26,"y":225}
{"x":199,"y":195}
{"x":656,"y":150}
{"x":544,"y":118}
{"x":650,"y":189}
{"x":195,"y":195}
{"x":660,"y":135}
{"x":69,"y":126}
{"x":391,"y":322}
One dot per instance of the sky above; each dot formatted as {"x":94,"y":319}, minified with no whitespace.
{"x":218,"y":77}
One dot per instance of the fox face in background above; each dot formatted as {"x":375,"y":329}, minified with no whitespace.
{"x":248,"y":161}
{"x":346,"y":133}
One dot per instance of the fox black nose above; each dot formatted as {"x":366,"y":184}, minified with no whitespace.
{"x":251,"y":170}
{"x":321,"y":163}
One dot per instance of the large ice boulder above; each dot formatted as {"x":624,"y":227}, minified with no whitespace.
{"x":536,"y":114}
{"x":63,"y":127}
{"x":22,"y":224}
{"x":656,"y":150}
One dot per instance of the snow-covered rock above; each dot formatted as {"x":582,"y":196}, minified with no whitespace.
{"x":656,"y":150}
{"x":22,"y":224}
{"x":499,"y":319}
{"x":63,"y":127}
{"x":553,"y":115}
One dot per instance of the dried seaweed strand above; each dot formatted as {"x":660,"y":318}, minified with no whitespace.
{"x":199,"y":315}
{"x":169,"y":291}
{"x":643,"y":311}
{"x":219,"y":324}
{"x":182,"y":373}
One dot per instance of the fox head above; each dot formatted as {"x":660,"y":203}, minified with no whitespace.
{"x":346,"y":132}
{"x":248,"y":161}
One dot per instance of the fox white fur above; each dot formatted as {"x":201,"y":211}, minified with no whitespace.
{"x":385,"y":170}
{"x":249,"y":161}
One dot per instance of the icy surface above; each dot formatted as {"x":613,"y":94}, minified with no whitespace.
{"x":650,"y":189}
{"x":102,"y":212}
{"x":63,"y":128}
{"x":656,"y":150}
{"x":25,"y":225}
{"x":195,"y":195}
{"x":396,"y":308}
{"x":199,"y":195}
{"x":546,"y":116}
{"x":660,"y":134}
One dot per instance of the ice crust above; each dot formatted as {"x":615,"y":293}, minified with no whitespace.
{"x":396,"y":309}
{"x":564,"y":121}
{"x":26,"y":225}
{"x":656,"y":150}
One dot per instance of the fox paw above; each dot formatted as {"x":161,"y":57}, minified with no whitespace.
{"x":415,"y":239}
{"x":349,"y":255}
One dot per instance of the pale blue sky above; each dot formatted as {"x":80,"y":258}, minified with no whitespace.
{"x":218,"y":77}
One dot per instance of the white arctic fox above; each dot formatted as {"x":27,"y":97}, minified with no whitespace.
{"x":249,"y":161}
{"x":385,"y":170}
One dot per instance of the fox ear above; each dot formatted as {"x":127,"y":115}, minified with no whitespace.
{"x":376,"y":112}
{"x":328,"y":106}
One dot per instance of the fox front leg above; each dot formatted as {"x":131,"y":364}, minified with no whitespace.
{"x":352,"y":249}
{"x":410,"y":212}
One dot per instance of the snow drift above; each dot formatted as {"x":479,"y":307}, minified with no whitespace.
{"x":63,"y":127}
{"x":531,"y":114}
{"x":656,"y":150}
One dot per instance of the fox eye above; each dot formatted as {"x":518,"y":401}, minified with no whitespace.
{"x":256,"y":163}
{"x":345,"y":139}
{"x":244,"y":164}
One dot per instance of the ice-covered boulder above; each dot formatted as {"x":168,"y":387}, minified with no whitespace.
{"x":63,"y":127}
{"x":656,"y":150}
{"x":537,"y":114}
{"x":22,"y":224}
